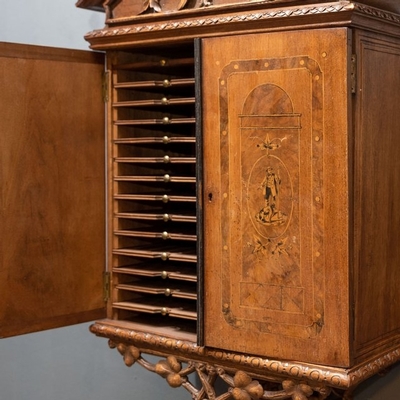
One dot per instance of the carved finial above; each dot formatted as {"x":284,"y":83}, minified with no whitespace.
{"x":169,"y":369}
{"x":245,"y":388}
{"x":130,"y":353}
{"x":298,"y":391}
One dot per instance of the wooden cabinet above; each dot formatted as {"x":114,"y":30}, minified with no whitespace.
{"x":252,"y":183}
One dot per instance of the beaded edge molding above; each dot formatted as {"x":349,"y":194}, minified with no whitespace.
{"x":245,"y":17}
{"x":341,"y":378}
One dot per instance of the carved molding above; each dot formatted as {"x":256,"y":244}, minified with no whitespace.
{"x":197,"y":22}
{"x":258,"y":367}
{"x":373,"y":367}
{"x":377,"y":13}
{"x":239,"y":384}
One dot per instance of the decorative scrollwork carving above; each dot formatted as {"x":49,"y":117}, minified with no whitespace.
{"x":239,"y":384}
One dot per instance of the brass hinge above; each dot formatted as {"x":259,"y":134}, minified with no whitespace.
{"x":353,"y":75}
{"x":106,"y":285}
{"x":105,"y":86}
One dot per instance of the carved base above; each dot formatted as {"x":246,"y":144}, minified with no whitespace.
{"x":239,"y":384}
{"x":245,"y":377}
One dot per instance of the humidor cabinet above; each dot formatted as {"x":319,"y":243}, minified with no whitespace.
{"x":242,"y":223}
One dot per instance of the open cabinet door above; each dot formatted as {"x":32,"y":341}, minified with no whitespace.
{"x":52,"y":188}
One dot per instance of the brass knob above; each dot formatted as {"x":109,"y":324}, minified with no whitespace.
{"x":165,"y":198}
{"x":168,"y":292}
{"x":167,"y":178}
{"x":166,"y":120}
{"x":165,"y":235}
{"x":167,"y":159}
{"x":166,"y":83}
{"x":164,"y":311}
{"x":165,"y":139}
{"x":164,"y":275}
{"x":163,"y":62}
{"x":164,"y":101}
{"x":164,"y":256}
{"x":166,"y":217}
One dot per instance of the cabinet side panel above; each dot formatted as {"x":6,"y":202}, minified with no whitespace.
{"x":377,"y":178}
{"x":275,"y":195}
{"x":52,"y":188}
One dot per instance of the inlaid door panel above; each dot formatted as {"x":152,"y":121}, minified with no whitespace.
{"x":274,"y":107}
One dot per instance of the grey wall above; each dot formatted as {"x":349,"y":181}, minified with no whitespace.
{"x":45,"y":22}
{"x":70,"y":363}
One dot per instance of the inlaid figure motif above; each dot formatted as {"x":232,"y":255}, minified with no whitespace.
{"x":270,"y":214}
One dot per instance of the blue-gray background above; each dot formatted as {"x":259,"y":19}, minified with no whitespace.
{"x":70,"y":363}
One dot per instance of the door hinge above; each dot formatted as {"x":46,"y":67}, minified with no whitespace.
{"x":353,"y":75}
{"x":105,"y":86}
{"x":106,"y":285}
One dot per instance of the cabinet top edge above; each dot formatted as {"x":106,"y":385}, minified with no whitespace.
{"x":254,"y":17}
